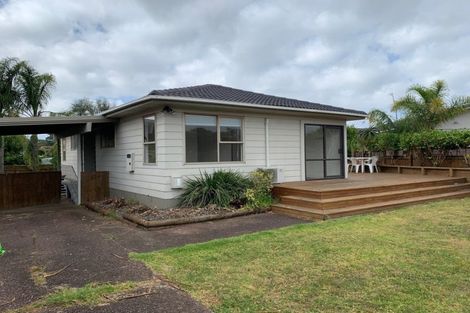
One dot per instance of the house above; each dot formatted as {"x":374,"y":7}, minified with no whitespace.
{"x":160,"y":139}
{"x":461,"y":121}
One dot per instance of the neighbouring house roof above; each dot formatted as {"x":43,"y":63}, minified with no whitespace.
{"x":216,"y":94}
{"x":60,"y":125}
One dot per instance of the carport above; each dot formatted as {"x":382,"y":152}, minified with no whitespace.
{"x":61,"y":127}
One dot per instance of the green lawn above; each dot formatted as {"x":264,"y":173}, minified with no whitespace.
{"x":410,"y":260}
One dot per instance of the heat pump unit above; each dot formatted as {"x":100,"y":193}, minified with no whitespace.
{"x":177,"y":182}
{"x":278,"y":174}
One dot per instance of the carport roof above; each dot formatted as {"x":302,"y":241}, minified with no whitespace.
{"x":59,"y":125}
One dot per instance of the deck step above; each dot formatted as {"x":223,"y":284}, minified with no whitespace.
{"x":331,"y":203}
{"x":363,"y":190}
{"x":319,"y":214}
{"x":299,"y":212}
{"x":395,"y":204}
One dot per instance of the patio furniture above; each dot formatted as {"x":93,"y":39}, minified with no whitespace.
{"x":354,"y":165}
{"x":371,"y":163}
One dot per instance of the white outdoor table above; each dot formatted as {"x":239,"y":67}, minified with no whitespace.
{"x":362,"y":161}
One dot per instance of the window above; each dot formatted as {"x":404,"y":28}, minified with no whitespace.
{"x":64,"y":148}
{"x":73,"y":142}
{"x":149,"y":140}
{"x":201,"y":138}
{"x":231,"y":143}
{"x":107,"y":137}
{"x":212,"y":139}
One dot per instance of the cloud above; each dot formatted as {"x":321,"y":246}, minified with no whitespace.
{"x":352,"y":54}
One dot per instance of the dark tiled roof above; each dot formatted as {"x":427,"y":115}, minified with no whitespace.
{"x":222,"y":93}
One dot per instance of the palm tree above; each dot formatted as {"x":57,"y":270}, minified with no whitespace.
{"x":427,"y":107}
{"x":9,"y":93}
{"x":35,"y":91}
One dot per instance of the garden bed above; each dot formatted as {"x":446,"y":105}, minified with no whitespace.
{"x":152,"y":217}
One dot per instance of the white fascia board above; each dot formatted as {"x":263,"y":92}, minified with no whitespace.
{"x":129,"y":105}
{"x":26,"y":121}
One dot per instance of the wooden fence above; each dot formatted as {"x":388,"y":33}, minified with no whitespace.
{"x":29,"y":189}
{"x":26,"y":169}
{"x":95,"y":186}
{"x":408,"y":160}
{"x":427,"y":170}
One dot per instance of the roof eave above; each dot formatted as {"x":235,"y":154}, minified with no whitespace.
{"x":129,"y":105}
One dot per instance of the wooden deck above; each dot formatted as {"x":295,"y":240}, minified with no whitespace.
{"x":362,"y":193}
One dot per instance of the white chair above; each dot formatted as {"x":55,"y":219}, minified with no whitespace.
{"x":355,"y":165}
{"x":372,"y":164}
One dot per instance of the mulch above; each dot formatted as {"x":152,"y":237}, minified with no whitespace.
{"x":145,"y":216}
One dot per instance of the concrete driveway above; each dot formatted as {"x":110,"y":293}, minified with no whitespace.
{"x":85,"y":247}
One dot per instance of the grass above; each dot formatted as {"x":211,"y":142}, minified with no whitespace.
{"x":91,"y":294}
{"x":415,"y":259}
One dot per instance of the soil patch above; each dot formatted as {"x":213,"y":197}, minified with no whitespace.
{"x":154,"y":217}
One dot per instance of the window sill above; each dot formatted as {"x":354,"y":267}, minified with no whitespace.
{"x":212,"y":164}
{"x":149,"y":164}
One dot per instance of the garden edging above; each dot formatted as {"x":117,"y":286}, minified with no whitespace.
{"x":173,"y":222}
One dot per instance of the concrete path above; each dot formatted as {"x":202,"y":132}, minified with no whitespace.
{"x":93,"y":248}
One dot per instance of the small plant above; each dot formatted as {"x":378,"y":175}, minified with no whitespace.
{"x":221,"y":188}
{"x":259,"y":194}
{"x":466,"y":157}
{"x":2,"y":250}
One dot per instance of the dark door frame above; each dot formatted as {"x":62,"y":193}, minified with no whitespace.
{"x":324,"y":159}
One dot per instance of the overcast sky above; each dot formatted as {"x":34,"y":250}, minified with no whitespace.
{"x":345,"y":53}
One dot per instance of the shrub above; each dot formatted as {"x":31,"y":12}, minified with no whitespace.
{"x":259,"y":194}
{"x":2,"y":250}
{"x":435,"y":144}
{"x":221,"y":188}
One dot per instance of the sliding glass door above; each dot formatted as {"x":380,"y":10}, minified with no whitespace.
{"x":324,"y":152}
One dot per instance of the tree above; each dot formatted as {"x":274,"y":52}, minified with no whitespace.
{"x":35,"y":91}
{"x":426,"y":107}
{"x":14,"y":149}
{"x":87,"y":107}
{"x":81,"y":107}
{"x":102,"y":105}
{"x":9,"y":92}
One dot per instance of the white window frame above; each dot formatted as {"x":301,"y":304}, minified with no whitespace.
{"x":218,"y":117}
{"x":64,"y":148}
{"x":219,"y":140}
{"x":149,"y":142}
{"x":72,"y":146}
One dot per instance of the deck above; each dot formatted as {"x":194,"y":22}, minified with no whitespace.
{"x":363,"y":193}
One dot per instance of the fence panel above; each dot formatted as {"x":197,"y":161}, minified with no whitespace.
{"x":28,"y":189}
{"x":95,"y":186}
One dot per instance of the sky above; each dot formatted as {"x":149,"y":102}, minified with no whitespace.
{"x":352,"y":54}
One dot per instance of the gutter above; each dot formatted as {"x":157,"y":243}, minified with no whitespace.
{"x":34,"y":121}
{"x":219,"y":102}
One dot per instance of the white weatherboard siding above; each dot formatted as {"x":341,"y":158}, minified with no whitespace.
{"x":71,"y":156}
{"x":285,"y":150}
{"x":146,"y":179}
{"x":460,"y":122}
{"x":285,"y":146}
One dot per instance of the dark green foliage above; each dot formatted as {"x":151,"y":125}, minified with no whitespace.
{"x":14,"y":150}
{"x":422,"y":109}
{"x":259,"y":194}
{"x":86,"y":107}
{"x":221,"y":188}
{"x":353,"y":140}
{"x":385,"y":142}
